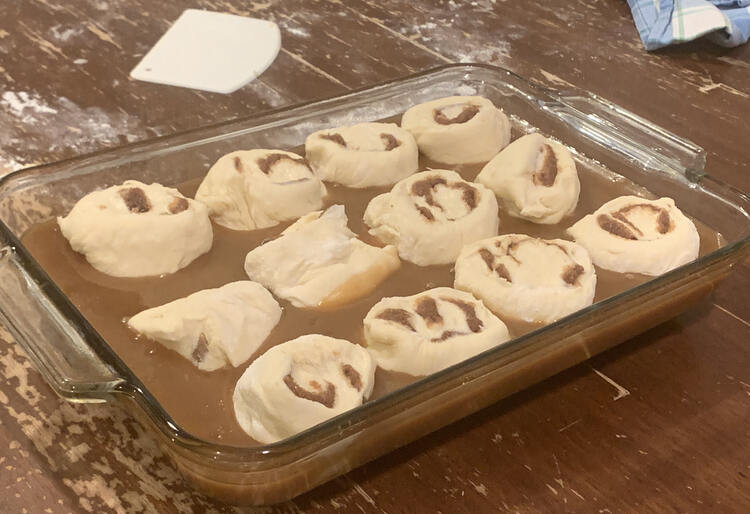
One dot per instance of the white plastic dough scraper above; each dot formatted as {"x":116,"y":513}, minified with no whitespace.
{"x":211,"y":51}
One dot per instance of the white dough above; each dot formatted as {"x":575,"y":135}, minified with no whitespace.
{"x":633,"y":235}
{"x":319,"y":262}
{"x":214,"y":327}
{"x":430,"y":331}
{"x":363,"y":155}
{"x":301,"y":383}
{"x":536,"y":178}
{"x":485,"y":131}
{"x":522,"y":277}
{"x":137,"y":230}
{"x":430,"y":216}
{"x":252,"y":189}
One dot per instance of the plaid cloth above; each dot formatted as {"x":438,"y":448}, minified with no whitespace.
{"x":664,"y":22}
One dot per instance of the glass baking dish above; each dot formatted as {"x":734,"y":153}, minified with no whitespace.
{"x":80,"y":366}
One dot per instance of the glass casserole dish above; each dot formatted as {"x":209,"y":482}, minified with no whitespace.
{"x":80,"y":366}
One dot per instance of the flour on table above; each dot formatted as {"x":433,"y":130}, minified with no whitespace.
{"x":8,"y":164}
{"x":63,"y":34}
{"x":463,"y":38}
{"x":24,"y":105}
{"x":33,"y":126}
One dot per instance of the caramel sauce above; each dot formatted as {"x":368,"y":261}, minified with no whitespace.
{"x":201,"y":402}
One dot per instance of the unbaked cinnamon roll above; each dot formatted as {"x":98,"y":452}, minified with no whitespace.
{"x":138,"y":230}
{"x":458,"y":129}
{"x":526,"y":278}
{"x":318,"y":262}
{"x":634,"y":235}
{"x":535,"y":177}
{"x":213,"y":328}
{"x":301,"y":383}
{"x":430,"y":331}
{"x":363,"y":155}
{"x":252,"y":189}
{"x":430,"y":216}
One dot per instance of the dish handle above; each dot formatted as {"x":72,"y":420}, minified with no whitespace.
{"x":627,"y":133}
{"x":58,"y":350}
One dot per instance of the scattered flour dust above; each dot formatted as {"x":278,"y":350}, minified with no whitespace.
{"x":25,"y":106}
{"x":33,"y":128}
{"x":124,"y":447}
{"x":463,"y":38}
{"x":63,"y":34}
{"x":8,"y":164}
{"x":298,"y":31}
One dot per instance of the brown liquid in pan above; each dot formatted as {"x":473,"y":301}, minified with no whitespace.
{"x":201,"y":402}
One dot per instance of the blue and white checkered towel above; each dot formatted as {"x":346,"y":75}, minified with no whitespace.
{"x":664,"y":22}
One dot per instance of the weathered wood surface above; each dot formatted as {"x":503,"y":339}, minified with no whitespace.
{"x":658,"y":424}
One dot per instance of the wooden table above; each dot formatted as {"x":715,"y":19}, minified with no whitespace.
{"x":658,"y":424}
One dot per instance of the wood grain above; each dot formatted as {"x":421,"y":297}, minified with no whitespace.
{"x":657,"y":424}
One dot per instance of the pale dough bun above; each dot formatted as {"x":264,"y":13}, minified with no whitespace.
{"x":535,"y":280}
{"x":363,"y":155}
{"x":252,"y":189}
{"x":458,"y":129}
{"x":138,"y":230}
{"x":301,"y":383}
{"x":430,"y":331}
{"x":318,"y":262}
{"x":430,"y":216}
{"x":634,"y":235}
{"x":213,"y":328}
{"x":535,"y":177}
